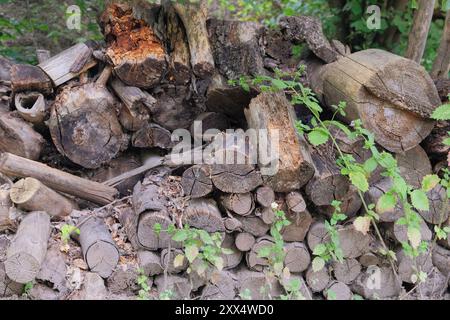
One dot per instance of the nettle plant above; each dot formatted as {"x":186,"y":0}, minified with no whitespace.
{"x":318,"y":133}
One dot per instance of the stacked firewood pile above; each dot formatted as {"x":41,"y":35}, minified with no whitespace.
{"x":86,"y":138}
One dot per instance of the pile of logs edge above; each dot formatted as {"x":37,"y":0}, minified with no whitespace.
{"x":109,"y":109}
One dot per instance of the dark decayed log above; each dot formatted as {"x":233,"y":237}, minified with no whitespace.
{"x":31,"y":106}
{"x":19,"y":138}
{"x":84,"y":125}
{"x":135,"y":112}
{"x":69,"y":63}
{"x":203,"y":214}
{"x":137,"y":54}
{"x":238,"y":203}
{"x":58,"y":180}
{"x":30,"y":78}
{"x":368,"y":81}
{"x":235,"y":178}
{"x":286,"y":158}
{"x":196,"y":181}
{"x":297,"y":257}
{"x":28,"y":248}
{"x":152,"y":135}
{"x":32,"y":195}
{"x":99,"y":250}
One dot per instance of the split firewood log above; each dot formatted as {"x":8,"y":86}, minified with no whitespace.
{"x":168,"y":258}
{"x":150,"y":262}
{"x":414,"y":165}
{"x":298,"y":216}
{"x":287,"y":163}
{"x":238,"y":203}
{"x":267,"y":215}
{"x":28,"y":248}
{"x":347,"y":270}
{"x":366,"y":284}
{"x":53,"y":269}
{"x":26,"y":77}
{"x":237,"y":47}
{"x":135,"y":112}
{"x":69,"y":63}
{"x":232,"y":224}
{"x":372,"y":76}
{"x":84,"y":125}
{"x":32,"y":195}
{"x":196,"y":181}
{"x":254,"y":261}
{"x":152,"y":135}
{"x":99,"y":250}
{"x":18,"y":137}
{"x":136,"y":52}
{"x":434,"y":143}
{"x":337,"y":290}
{"x":231,"y":261}
{"x":235,"y":178}
{"x":297,"y":257}
{"x":244,"y":241}
{"x":58,"y":180}
{"x":7,"y":286}
{"x":31,"y":106}
{"x":317,"y":234}
{"x":318,"y":280}
{"x":203,"y":214}
{"x":265,"y":196}
{"x":93,"y":288}
{"x":193,"y":16}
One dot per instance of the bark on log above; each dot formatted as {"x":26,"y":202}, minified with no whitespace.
{"x":238,"y":203}
{"x":265,"y":196}
{"x":68,"y":64}
{"x":136,"y":52}
{"x":194,"y":17}
{"x":244,"y":241}
{"x":368,"y":81}
{"x":28,"y":248}
{"x":235,"y":178}
{"x":30,"y":78}
{"x":99,"y":250}
{"x":16,"y":166}
{"x":441,"y":64}
{"x":31,"y":106}
{"x":196,"y":181}
{"x":420,"y":28}
{"x":84,"y":125}
{"x":347,"y":271}
{"x":150,"y":262}
{"x":136,"y":110}
{"x":31,"y":195}
{"x":203,"y":214}
{"x":19,"y":138}
{"x":152,"y":135}
{"x":414,"y":165}
{"x":286,"y":160}
{"x":318,"y":280}
{"x":297,"y":257}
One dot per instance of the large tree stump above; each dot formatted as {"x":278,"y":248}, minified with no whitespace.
{"x":369,"y":82}
{"x":286,"y":162}
{"x":28,"y":248}
{"x":99,"y":250}
{"x":84,"y":125}
{"x":31,"y":195}
{"x":136,"y":52}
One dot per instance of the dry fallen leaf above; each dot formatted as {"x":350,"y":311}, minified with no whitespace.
{"x":362,"y":224}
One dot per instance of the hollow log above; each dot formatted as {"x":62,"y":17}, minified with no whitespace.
{"x":238,"y":203}
{"x":28,"y":248}
{"x":99,"y":250}
{"x":84,"y":125}
{"x":150,"y":262}
{"x":244,"y":241}
{"x":297,"y":257}
{"x":414,"y":165}
{"x":31,"y":106}
{"x":69,"y":63}
{"x":19,"y":138}
{"x":203,"y":214}
{"x":286,"y":161}
{"x":194,"y":17}
{"x":265,"y":196}
{"x":136,"y":52}
{"x":30,"y":78}
{"x":136,"y":110}
{"x":31,"y":195}
{"x":368,"y":81}
{"x":346,"y":271}
{"x":235,"y":178}
{"x":196,"y":181}
{"x":58,"y":180}
{"x":152,"y":135}
{"x":167,"y":261}
{"x":318,"y":280}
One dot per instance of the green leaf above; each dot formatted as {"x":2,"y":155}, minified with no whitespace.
{"x":279,"y":84}
{"x":420,"y":200}
{"x":429,"y":182}
{"x":264,"y":252}
{"x":442,"y":112}
{"x":191,"y":253}
{"x":386,"y":202}
{"x":370,"y":165}
{"x":317,"y":264}
{"x":446,"y":141}
{"x":359,"y":180}
{"x":318,"y":136}
{"x":180,"y":235}
{"x":319,"y":249}
{"x":414,"y":237}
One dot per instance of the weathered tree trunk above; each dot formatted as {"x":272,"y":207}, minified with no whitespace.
{"x":31,"y":106}
{"x":58,"y":180}
{"x":286,"y":159}
{"x":68,"y":64}
{"x":30,"y":78}
{"x":203,"y":214}
{"x":194,"y":18}
{"x":420,"y":28}
{"x":28,"y":248}
{"x":136,"y":52}
{"x":84,"y":125}
{"x":19,"y":138}
{"x":196,"y":181}
{"x":31,"y":195}
{"x":99,"y":249}
{"x":441,"y":65}
{"x":368,"y":81}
